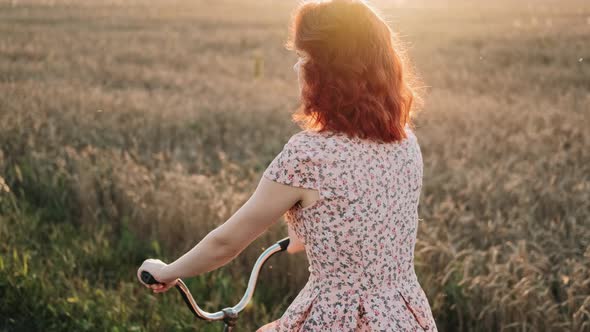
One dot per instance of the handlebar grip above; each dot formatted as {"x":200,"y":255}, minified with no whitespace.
{"x":147,"y":278}
{"x":284,"y":243}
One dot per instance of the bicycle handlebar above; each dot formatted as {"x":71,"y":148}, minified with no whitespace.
{"x":231,"y":312}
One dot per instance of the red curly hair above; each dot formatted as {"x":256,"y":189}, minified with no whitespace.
{"x":355,"y":81}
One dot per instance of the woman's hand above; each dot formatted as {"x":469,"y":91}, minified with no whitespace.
{"x":157,"y":269}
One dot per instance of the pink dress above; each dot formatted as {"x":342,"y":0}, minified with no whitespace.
{"x":359,"y":236}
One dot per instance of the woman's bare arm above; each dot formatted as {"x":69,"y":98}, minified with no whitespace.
{"x":268,"y":203}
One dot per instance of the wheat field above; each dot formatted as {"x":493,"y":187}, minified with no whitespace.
{"x":130,"y":129}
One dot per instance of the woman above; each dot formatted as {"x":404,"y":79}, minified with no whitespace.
{"x":349,"y":183}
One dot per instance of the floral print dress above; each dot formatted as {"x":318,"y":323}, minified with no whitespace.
{"x":359,"y":236}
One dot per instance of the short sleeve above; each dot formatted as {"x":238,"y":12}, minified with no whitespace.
{"x":293,"y":165}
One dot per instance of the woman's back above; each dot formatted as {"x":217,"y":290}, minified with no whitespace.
{"x":359,"y":236}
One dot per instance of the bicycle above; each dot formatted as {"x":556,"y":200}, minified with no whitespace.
{"x":229,"y":315}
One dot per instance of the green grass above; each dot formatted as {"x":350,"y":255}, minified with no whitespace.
{"x":60,"y":277}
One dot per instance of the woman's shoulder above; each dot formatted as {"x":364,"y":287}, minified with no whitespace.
{"x":409,"y":130}
{"x":328,"y":140}
{"x":307,"y":137}
{"x":304,"y":142}
{"x":311,"y":144}
{"x":308,"y":133}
